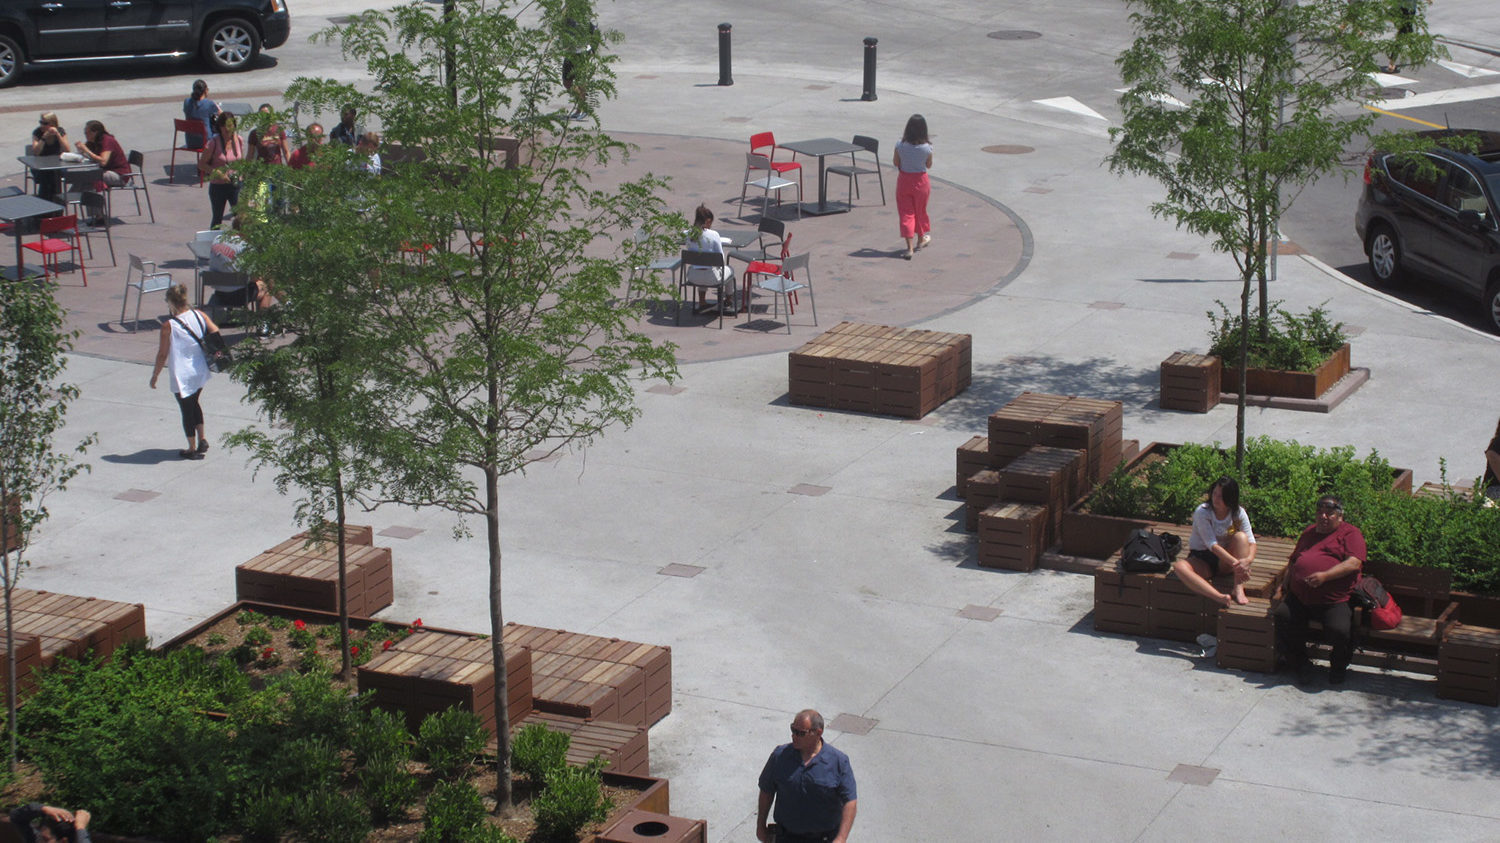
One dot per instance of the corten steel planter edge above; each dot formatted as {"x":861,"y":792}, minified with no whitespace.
{"x":1282,"y":384}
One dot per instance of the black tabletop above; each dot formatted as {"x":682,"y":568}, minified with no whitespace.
{"x":42,"y":163}
{"x":820,"y":147}
{"x":25,"y":207}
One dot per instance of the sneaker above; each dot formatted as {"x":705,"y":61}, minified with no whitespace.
{"x":1338,"y":674}
{"x":1304,"y":673}
{"x":926,"y":240}
{"x":202,"y":446}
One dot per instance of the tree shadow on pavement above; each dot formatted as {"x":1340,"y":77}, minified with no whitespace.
{"x":995,"y":385}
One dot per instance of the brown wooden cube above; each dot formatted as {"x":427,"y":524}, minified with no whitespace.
{"x":1469,"y":665}
{"x":1012,"y":536}
{"x":1247,"y":637}
{"x":983,"y":493}
{"x":973,"y":456}
{"x":626,"y":748}
{"x":1190,"y":382}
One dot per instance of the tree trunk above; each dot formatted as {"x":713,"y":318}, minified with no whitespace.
{"x":497,"y":642}
{"x":347,"y":663}
{"x":10,"y":662}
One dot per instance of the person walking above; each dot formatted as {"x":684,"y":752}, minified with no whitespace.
{"x":182,"y":353}
{"x":811,"y":785}
{"x":223,"y":149}
{"x":912,"y":160}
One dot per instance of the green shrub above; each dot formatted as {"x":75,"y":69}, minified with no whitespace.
{"x":266,"y":815}
{"x":379,"y":734}
{"x":217,"y":639}
{"x":572,"y":798}
{"x":302,"y":639}
{"x":311,"y":662}
{"x":279,"y":622}
{"x":537,"y":751}
{"x":450,"y":741}
{"x":454,"y":813}
{"x":258,"y":636}
{"x":248,"y":617}
{"x":307,"y":763}
{"x":387,"y":787}
{"x":328,"y":816}
{"x":1294,"y":343}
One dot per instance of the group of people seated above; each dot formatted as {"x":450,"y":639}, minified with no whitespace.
{"x":98,"y":146}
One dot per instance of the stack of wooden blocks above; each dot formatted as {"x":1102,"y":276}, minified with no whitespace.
{"x":627,"y":748}
{"x":1247,"y":637}
{"x":430,"y":672}
{"x":48,"y":625}
{"x":1190,"y":382}
{"x":304,"y":573}
{"x":1469,"y":665}
{"x":880,"y":369}
{"x":592,"y":676}
{"x":1043,"y":452}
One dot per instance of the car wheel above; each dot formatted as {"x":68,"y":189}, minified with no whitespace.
{"x":11,"y":60}
{"x":1385,"y":256}
{"x":1492,"y":305}
{"x":230,"y":45}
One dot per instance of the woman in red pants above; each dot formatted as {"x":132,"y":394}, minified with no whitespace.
{"x":912,"y":160}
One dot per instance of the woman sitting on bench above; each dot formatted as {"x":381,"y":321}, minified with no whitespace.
{"x":1221,"y":541}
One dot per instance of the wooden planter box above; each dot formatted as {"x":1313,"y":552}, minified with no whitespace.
{"x":298,"y":573}
{"x":648,"y":827}
{"x":585,"y":687}
{"x":626,"y":748}
{"x":1190,"y":382}
{"x":1276,"y":383}
{"x":654,"y":661}
{"x":49,"y":625}
{"x":520,"y":677}
{"x":879,"y":369}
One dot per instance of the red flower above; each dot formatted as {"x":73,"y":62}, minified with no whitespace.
{"x":353,"y":649}
{"x":299,"y":624}
{"x":387,"y":644}
{"x":417,"y":624}
{"x":268,"y":652}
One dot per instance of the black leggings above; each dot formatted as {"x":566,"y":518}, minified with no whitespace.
{"x":220,"y":195}
{"x":1291,"y":629}
{"x":192,"y":414}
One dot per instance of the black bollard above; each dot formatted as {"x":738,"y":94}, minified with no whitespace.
{"x":724,"y":76}
{"x":869,"y":94}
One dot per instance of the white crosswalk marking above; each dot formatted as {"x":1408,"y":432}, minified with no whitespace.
{"x":1070,"y":104}
{"x":1164,"y":99}
{"x":1468,"y":71}
{"x":1391,"y":80}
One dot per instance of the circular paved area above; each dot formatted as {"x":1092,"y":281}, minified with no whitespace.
{"x":857,"y":269}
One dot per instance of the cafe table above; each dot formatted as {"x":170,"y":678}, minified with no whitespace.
{"x":39,"y":164}
{"x":13,"y":209}
{"x":821,"y":148}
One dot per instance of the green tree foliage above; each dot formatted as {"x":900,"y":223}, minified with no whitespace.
{"x":33,"y":407}
{"x":485,"y":293}
{"x":1235,"y":105}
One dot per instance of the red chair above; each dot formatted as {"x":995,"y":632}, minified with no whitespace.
{"x":50,"y":247}
{"x":184,"y":128}
{"x":767,"y":141}
{"x":767,"y":267}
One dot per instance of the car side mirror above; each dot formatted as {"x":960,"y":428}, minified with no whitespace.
{"x":1471,"y":220}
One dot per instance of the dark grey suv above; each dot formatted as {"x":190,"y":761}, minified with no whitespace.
{"x":1435,"y":215}
{"x":228,"y":34}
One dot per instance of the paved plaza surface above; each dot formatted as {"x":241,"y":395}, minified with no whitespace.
{"x":831,"y":563}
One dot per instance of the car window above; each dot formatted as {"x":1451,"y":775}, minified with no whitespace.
{"x":1463,"y":193}
{"x":1421,"y":173}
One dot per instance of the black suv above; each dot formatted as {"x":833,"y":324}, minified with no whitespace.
{"x":229,"y":34}
{"x":1434,"y":214}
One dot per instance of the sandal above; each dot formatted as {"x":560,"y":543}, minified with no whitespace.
{"x":189,"y":455}
{"x":202,"y":446}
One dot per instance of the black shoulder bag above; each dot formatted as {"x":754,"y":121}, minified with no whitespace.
{"x":215,"y":350}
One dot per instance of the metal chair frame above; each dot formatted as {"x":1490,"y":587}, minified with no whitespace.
{"x":150,"y":281}
{"x":853,"y":170}
{"x":786,"y":285}
{"x":136,"y":182}
{"x":717,"y":260}
{"x":756,"y":163}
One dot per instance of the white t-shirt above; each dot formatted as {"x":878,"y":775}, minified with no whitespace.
{"x":708,"y":241}
{"x":1208,"y":528}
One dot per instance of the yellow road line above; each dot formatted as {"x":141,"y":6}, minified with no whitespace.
{"x":1404,"y":117}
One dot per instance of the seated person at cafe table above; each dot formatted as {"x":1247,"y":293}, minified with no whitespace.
{"x":102,"y":149}
{"x":222,"y":257}
{"x":48,"y":138}
{"x":702,"y":238}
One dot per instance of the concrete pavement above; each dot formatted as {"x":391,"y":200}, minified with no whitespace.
{"x":1029,"y":726}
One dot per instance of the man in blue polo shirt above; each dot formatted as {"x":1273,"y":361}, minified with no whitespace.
{"x":812,"y":786}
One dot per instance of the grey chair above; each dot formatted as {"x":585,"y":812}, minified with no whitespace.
{"x":721,"y":279}
{"x":853,"y":170}
{"x":227,"y":282}
{"x":147,"y":280}
{"x":651,"y":267}
{"x":27,"y":185}
{"x":761,"y":175}
{"x":94,"y":208}
{"x":795,"y":276}
{"x":771,"y":234}
{"x":136,"y":182}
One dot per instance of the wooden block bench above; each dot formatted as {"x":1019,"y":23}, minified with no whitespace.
{"x":49,"y":625}
{"x":430,"y":672}
{"x":1469,"y":665}
{"x":880,"y":369}
{"x":1247,"y":637}
{"x":1061,"y":421}
{"x":654,"y":661}
{"x":1012,"y":536}
{"x":984,"y":492}
{"x":1190,"y":382}
{"x":1426,"y":615}
{"x":302,"y":573}
{"x":973,"y":457}
{"x":1047,"y":476}
{"x":583,"y":687}
{"x":28,"y":658}
{"x":361,"y":534}
{"x":627,"y":748}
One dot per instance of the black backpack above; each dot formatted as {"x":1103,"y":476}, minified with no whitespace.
{"x":1146,"y":552}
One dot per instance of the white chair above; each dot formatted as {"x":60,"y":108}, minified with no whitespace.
{"x":786,"y":285}
{"x":717,"y":276}
{"x":761,"y":175}
{"x":655,"y":265}
{"x":149,"y":280}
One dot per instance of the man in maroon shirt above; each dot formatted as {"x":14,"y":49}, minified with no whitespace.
{"x":1321,"y":573}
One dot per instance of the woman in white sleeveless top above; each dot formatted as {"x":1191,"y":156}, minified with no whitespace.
{"x":181,"y":352}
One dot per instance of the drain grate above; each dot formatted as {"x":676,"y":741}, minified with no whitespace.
{"x":1014,"y":35}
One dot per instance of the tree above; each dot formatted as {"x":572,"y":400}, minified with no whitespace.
{"x":489,"y":284}
{"x":33,"y":408}
{"x":1235,"y":105}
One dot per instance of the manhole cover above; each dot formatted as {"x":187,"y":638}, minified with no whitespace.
{"x":1008,"y":149}
{"x":1014,"y":35}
